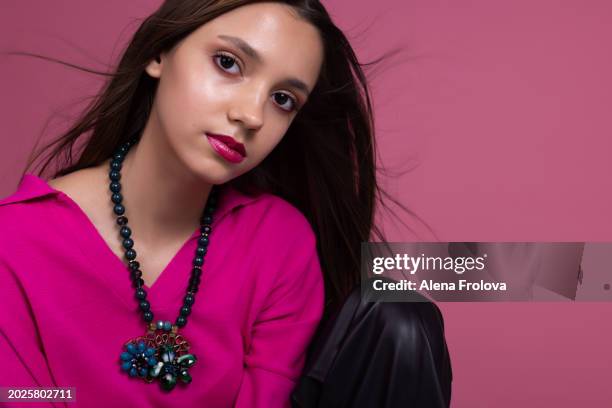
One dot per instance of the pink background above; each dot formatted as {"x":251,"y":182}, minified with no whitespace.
{"x":504,"y":106}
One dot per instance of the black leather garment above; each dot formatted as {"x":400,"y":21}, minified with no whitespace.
{"x":378,"y":354}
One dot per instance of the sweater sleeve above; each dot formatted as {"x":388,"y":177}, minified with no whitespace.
{"x":23,"y":359}
{"x":283,"y":329}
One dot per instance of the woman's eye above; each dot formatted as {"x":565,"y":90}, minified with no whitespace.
{"x":284,"y":101}
{"x":227,"y":63}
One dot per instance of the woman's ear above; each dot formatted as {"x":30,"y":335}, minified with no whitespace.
{"x":154,"y":67}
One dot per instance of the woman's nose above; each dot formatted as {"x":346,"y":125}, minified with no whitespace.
{"x":248,"y":108}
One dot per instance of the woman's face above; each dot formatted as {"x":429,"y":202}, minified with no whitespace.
{"x":242,"y":76}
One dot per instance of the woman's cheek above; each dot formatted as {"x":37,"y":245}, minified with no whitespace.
{"x":200,"y":83}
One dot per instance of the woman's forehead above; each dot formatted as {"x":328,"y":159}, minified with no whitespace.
{"x":271,"y":33}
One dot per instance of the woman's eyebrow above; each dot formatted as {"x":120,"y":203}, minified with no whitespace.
{"x":243,"y":45}
{"x":296,"y":83}
{"x":250,"y":51}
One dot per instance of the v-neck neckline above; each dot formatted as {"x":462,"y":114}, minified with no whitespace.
{"x":171,"y":283}
{"x":165,"y":282}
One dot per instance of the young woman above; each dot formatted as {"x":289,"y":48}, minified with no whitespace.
{"x":212,"y":217}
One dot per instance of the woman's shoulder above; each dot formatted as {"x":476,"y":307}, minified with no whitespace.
{"x":30,"y":197}
{"x":34,"y":208}
{"x":33,"y":193}
{"x":26,"y":215}
{"x":266,"y":212}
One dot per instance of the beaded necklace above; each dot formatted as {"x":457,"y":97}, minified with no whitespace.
{"x":162,"y":353}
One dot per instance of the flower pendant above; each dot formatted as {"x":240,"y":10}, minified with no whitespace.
{"x":160,"y":355}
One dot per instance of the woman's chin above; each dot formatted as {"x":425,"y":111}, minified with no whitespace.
{"x":216,"y":173}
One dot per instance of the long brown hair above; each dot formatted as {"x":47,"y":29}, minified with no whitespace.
{"x":325,"y":165}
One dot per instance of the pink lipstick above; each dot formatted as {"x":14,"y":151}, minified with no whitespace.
{"x":227,"y":147}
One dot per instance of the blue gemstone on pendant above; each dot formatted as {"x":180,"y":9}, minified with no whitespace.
{"x":126,"y":356}
{"x":167,"y":326}
{"x":131,"y":348}
{"x":126,"y":365}
{"x":141,"y":347}
{"x":133,"y":372}
{"x":149,"y":352}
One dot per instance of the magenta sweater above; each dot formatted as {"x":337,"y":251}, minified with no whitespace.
{"x":67,"y":304}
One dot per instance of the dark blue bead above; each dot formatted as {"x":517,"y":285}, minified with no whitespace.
{"x":116,"y":198}
{"x":119,"y":209}
{"x":114,"y":175}
{"x":205,"y":229}
{"x":138,"y":282}
{"x":128,"y":243}
{"x":124,"y":149}
{"x":115,"y":187}
{"x":145,"y":306}
{"x":194,"y":281}
{"x":203,"y":241}
{"x":136,"y":274}
{"x":185,"y":310}
{"x":207,"y":219}
{"x":122,"y":220}
{"x":130,"y":254}
{"x":200,"y":251}
{"x":181,"y":321}
{"x":209,"y":210}
{"x":198,"y":261}
{"x":141,"y":294}
{"x":133,"y":265}
{"x":115,"y":165}
{"x":147,"y":316}
{"x":125,"y":232}
{"x":188,"y":300}
{"x":196,"y":271}
{"x":118,"y":157}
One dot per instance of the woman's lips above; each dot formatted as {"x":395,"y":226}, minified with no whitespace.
{"x":227,"y":147}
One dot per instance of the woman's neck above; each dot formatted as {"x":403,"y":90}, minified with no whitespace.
{"x":162,"y":197}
